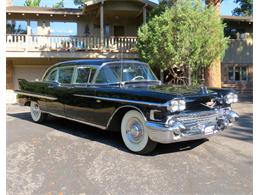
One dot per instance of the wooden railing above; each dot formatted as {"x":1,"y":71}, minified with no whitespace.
{"x":15,"y":42}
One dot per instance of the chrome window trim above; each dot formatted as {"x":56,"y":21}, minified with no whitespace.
{"x":122,"y":100}
{"x":35,"y":95}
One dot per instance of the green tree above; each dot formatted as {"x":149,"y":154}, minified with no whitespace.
{"x":245,"y":8}
{"x":163,"y":5}
{"x":59,"y":4}
{"x":79,"y":3}
{"x":32,"y":3}
{"x":187,"y":37}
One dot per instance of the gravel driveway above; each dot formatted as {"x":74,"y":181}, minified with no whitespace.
{"x":62,"y":157}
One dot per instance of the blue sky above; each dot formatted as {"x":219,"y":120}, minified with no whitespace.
{"x":226,"y":7}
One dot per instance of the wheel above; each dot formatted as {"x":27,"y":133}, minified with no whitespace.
{"x":134,"y":133}
{"x":37,"y":115}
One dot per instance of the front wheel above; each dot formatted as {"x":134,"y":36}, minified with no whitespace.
{"x":134,"y":133}
{"x":37,"y":115}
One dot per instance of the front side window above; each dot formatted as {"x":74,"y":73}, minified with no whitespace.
{"x":65,"y":75}
{"x":109,"y":74}
{"x":126,"y":72}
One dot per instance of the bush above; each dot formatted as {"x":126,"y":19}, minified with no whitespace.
{"x":185,"y":38}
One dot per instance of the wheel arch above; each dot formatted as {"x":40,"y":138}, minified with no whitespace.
{"x":114,"y":123}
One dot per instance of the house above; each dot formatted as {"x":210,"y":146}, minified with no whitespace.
{"x":237,"y":64}
{"x":39,"y":37}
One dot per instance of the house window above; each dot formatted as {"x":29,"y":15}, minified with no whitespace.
{"x":34,"y":27}
{"x":237,"y":73}
{"x":16,"y":27}
{"x":107,"y":30}
{"x":244,"y":75}
{"x":230,"y":74}
{"x":63,"y":28}
{"x":234,"y":33}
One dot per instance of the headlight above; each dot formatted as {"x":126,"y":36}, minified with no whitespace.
{"x":176,"y":105}
{"x":231,"y":98}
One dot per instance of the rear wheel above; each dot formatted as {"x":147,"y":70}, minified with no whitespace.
{"x":37,"y":115}
{"x":134,"y":133}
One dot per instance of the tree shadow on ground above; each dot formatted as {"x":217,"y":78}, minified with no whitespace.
{"x":106,"y":137}
{"x":242,"y":129}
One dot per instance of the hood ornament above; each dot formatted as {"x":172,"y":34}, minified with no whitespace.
{"x":209,"y":104}
{"x":204,"y":89}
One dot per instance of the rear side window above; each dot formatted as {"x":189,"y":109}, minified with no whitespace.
{"x":82,"y":75}
{"x":85,"y":74}
{"x":51,"y":76}
{"x":65,"y":75}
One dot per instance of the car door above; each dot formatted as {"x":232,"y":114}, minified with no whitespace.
{"x":59,"y":88}
{"x":80,"y":105}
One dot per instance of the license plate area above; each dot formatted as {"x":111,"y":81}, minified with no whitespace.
{"x":209,"y":130}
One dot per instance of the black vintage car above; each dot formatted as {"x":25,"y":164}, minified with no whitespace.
{"x":126,"y":96}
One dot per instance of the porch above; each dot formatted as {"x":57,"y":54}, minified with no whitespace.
{"x":27,"y":43}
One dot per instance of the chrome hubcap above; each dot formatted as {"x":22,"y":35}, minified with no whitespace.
{"x":135,"y":130}
{"x":35,"y":110}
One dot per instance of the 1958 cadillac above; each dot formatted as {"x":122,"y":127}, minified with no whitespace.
{"x":126,"y":96}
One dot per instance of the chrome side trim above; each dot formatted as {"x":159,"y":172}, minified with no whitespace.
{"x":121,"y":107}
{"x":121,"y":100}
{"x":79,"y":121}
{"x":36,"y":95}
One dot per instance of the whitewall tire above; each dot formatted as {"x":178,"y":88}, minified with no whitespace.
{"x":134,"y":133}
{"x":36,"y":114}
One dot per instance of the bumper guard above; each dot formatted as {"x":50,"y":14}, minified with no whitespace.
{"x":179,"y":131}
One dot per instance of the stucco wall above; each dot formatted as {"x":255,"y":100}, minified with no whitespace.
{"x":239,"y":52}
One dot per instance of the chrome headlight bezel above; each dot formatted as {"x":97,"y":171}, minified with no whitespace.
{"x":231,"y":98}
{"x":176,"y":105}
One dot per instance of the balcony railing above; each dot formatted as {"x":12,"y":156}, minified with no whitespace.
{"x":15,"y":42}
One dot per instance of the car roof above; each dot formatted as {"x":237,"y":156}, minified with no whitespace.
{"x":92,"y":62}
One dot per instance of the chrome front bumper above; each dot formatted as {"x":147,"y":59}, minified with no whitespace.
{"x":190,"y":127}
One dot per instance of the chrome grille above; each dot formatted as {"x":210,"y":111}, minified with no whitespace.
{"x":197,"y":120}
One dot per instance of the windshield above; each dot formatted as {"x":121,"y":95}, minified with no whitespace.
{"x":126,"y":72}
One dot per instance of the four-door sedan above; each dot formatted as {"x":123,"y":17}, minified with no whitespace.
{"x":126,"y":96}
